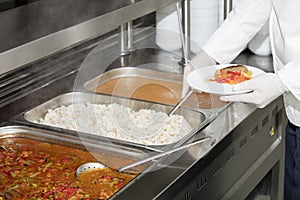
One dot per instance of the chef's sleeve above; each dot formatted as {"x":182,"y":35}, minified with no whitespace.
{"x":243,"y":22}
{"x":289,"y":75}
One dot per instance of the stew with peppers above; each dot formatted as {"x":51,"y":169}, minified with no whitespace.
{"x":232,"y":74}
{"x":30,"y":169}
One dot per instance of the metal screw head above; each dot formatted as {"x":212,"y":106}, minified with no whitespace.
{"x":272,"y":131}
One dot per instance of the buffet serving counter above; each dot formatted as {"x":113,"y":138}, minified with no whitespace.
{"x":247,"y":150}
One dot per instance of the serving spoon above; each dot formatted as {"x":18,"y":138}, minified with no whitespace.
{"x":186,"y":58}
{"x":96,"y":165}
{"x":175,"y":108}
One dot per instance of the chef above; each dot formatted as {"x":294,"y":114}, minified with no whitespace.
{"x":244,"y":21}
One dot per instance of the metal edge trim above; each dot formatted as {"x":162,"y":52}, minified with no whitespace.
{"x":49,"y":44}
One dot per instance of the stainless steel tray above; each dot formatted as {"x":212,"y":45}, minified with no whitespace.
{"x":111,"y":155}
{"x":107,"y":153}
{"x":131,"y":72}
{"x":196,"y":101}
{"x":197,"y":119}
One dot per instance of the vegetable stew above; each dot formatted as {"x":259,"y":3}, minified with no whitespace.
{"x":30,"y":169}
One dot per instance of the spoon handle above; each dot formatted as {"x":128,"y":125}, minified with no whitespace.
{"x":200,"y":140}
{"x":180,"y":102}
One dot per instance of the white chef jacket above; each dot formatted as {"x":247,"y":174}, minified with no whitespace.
{"x":245,"y":20}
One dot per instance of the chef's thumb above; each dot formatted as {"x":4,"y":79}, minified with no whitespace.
{"x":231,"y":98}
{"x":243,"y":86}
{"x":247,"y":97}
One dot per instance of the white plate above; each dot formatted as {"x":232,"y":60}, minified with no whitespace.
{"x":200,"y":80}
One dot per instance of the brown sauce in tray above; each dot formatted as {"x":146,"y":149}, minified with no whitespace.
{"x":160,"y":91}
{"x":30,"y":169}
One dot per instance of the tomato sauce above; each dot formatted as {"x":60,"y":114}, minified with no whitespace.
{"x":160,"y":91}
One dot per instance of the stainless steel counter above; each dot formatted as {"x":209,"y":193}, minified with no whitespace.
{"x":244,"y":152}
{"x":249,"y":141}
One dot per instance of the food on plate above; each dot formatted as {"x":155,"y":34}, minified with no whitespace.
{"x":232,"y":74}
{"x":144,"y":126}
{"x":31,"y":169}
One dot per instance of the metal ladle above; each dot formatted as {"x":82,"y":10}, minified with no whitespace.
{"x":186,"y":57}
{"x":95,"y":165}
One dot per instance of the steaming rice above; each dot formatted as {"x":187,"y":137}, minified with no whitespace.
{"x":115,"y":121}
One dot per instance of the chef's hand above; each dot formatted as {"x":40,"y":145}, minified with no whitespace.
{"x":202,"y":59}
{"x":266,"y":87}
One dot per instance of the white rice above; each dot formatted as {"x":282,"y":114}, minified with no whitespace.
{"x":145,"y":126}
